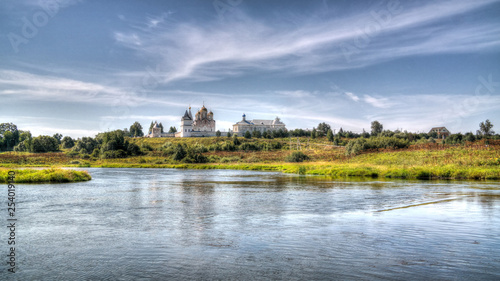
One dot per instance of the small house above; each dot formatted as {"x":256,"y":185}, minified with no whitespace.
{"x":441,"y":132}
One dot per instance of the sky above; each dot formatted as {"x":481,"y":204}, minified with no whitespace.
{"x":80,"y":67}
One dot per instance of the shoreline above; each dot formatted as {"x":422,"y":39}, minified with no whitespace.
{"x":356,"y":171}
{"x":48,"y":175}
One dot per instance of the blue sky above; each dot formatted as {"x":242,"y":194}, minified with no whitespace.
{"x":82,"y":67}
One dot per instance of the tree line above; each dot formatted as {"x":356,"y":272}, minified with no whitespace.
{"x":114,"y":144}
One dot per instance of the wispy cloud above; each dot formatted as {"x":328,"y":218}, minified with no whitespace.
{"x":242,"y":44}
{"x":30,"y":86}
{"x":294,"y":94}
{"x":378,"y":102}
{"x":352,"y":96}
{"x":170,"y":118}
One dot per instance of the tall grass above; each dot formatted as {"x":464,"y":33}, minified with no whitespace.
{"x":45,"y":176}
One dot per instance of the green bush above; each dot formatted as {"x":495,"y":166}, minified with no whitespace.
{"x":146,"y":147}
{"x":296,"y":156}
{"x":199,"y":148}
{"x":227,"y":146}
{"x":179,"y":152}
{"x":114,"y":154}
{"x":133,"y":149}
{"x":356,"y":146}
{"x":249,"y":147}
{"x":194,"y":157}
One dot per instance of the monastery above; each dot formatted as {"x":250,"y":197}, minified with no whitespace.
{"x":203,"y":125}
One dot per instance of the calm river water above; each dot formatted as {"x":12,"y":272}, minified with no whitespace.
{"x":162,"y":224}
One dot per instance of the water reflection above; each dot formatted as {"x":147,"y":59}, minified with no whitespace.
{"x":163,"y":224}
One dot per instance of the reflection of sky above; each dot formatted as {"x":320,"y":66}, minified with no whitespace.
{"x":184,"y":224}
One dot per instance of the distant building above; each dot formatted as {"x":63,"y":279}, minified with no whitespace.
{"x":258,"y":125}
{"x":155,"y":132}
{"x":202,"y":125}
{"x":441,"y":132}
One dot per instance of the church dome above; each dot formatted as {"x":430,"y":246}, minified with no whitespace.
{"x":203,"y":109}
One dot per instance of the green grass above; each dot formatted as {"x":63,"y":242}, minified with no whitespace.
{"x":51,"y":175}
{"x":471,"y":161}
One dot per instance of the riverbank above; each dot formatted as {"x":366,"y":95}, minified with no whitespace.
{"x":51,"y":175}
{"x":474,"y":161}
{"x":340,"y":171}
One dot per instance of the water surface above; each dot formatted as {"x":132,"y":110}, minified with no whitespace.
{"x":162,"y":224}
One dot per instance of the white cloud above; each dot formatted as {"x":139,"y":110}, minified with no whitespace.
{"x":295,"y":94}
{"x":378,"y":102}
{"x":142,"y":117}
{"x":74,"y":133}
{"x":352,"y":96}
{"x":128,"y":39}
{"x":30,"y":86}
{"x":219,"y":50}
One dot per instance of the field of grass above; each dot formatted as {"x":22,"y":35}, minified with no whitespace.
{"x":51,"y":175}
{"x":430,"y":161}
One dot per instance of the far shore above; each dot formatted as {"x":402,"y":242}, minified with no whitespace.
{"x":478,"y":160}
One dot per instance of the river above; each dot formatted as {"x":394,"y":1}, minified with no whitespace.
{"x":164,"y":224}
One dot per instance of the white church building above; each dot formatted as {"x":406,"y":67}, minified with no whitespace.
{"x":202,"y":125}
{"x":245,"y":125}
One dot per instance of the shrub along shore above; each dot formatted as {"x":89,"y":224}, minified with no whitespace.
{"x":51,"y":175}
{"x":378,"y":158}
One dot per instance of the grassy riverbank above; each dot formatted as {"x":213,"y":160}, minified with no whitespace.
{"x":430,"y":161}
{"x":51,"y":175}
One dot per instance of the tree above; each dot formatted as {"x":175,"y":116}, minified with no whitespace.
{"x":314,"y":133}
{"x":365,"y":134}
{"x":323,"y":129}
{"x":469,"y":137}
{"x":161,"y":127}
{"x":218,"y":133}
{"x":136,"y":130}
{"x":58,"y":137}
{"x":151,"y":127}
{"x":113,"y":140}
{"x":236,"y":141}
{"x":248,"y":135}
{"x":265,"y":135}
{"x":85,"y":145}
{"x":10,"y":135}
{"x":376,"y":128}
{"x":256,"y":134}
{"x":228,"y":134}
{"x":26,"y":140}
{"x":45,"y":144}
{"x":133,"y":149}
{"x":67,"y":142}
{"x":485,"y":128}
{"x":172,"y":130}
{"x":179,"y":152}
{"x":329,"y":135}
